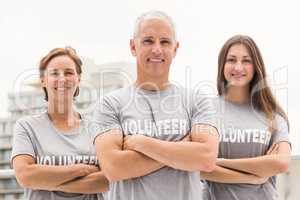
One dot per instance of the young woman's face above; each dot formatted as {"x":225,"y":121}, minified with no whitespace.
{"x":238,"y":68}
{"x":61,"y":78}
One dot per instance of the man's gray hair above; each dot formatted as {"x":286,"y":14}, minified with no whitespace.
{"x":154,"y":14}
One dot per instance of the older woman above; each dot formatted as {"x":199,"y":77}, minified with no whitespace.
{"x":52,"y":155}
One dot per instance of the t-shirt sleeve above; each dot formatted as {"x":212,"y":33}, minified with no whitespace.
{"x":203,"y":110}
{"x":281,"y":133}
{"x":105,"y":117}
{"x":22,"y":142}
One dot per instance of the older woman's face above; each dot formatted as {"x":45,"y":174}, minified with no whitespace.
{"x":61,"y":78}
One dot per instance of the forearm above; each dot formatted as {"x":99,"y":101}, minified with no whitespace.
{"x":118,"y":163}
{"x":90,"y":184}
{"x":189,"y":156}
{"x":45,"y":177}
{"x":126,"y":164}
{"x":263,"y":166}
{"x":224,"y":175}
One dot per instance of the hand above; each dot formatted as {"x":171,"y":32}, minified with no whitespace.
{"x":186,"y":138}
{"x":256,"y":180}
{"x":273,"y":149}
{"x":131,"y":142}
{"x":86,"y":169}
{"x":220,"y":162}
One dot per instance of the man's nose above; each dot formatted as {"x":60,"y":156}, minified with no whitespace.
{"x":157,"y":49}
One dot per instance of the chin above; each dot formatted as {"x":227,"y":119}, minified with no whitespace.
{"x":239,"y":83}
{"x":155,"y":72}
{"x":64,"y":97}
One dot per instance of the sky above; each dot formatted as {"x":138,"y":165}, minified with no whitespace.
{"x":101,"y":30}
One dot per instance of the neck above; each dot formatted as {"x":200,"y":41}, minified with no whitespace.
{"x":148,"y":82}
{"x":239,"y":95}
{"x":62,"y":112}
{"x":152,"y":85}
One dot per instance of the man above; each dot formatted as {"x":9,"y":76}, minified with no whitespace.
{"x":152,"y":139}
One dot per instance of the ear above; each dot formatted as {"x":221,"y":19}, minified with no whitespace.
{"x":79,"y":78}
{"x":175,"y":48}
{"x":42,"y":81}
{"x":133,"y":47}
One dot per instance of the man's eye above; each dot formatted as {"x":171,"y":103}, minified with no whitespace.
{"x":165,"y":42}
{"x":148,"y":41}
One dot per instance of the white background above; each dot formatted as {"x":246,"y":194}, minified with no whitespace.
{"x":101,"y":30}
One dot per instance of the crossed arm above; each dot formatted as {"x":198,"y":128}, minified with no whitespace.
{"x":77,"y":178}
{"x":254,"y":170}
{"x":149,"y":154}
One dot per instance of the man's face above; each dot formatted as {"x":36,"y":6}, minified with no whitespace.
{"x":154,"y":48}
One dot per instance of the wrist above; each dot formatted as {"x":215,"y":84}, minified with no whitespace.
{"x":141,"y":143}
{"x":220,"y":161}
{"x":83,"y":169}
{"x":79,"y":169}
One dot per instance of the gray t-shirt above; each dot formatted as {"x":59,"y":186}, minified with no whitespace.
{"x":165,"y":115}
{"x":244,"y":134}
{"x":36,"y":136}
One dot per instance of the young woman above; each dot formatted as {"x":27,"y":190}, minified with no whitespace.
{"x":52,"y":155}
{"x":254,"y":144}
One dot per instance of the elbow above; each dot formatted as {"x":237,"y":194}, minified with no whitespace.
{"x":105,"y":188}
{"x":109,"y":174}
{"x":24,"y":180}
{"x":211,"y":158}
{"x":283,"y":166}
{"x":283,"y":162}
{"x":112,"y":177}
{"x":209,"y":168}
{"x":102,"y":184}
{"x":23,"y":183}
{"x":209,"y":165}
{"x":112,"y":172}
{"x":208,"y":161}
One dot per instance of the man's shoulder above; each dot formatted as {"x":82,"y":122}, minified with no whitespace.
{"x":117,"y":97}
{"x":120,"y":92}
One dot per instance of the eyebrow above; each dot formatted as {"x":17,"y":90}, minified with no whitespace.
{"x":67,"y":69}
{"x":235,"y":56}
{"x":147,"y":37}
{"x":151,"y":37}
{"x":164,"y":38}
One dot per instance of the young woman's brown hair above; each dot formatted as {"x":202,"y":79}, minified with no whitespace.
{"x":67,"y":51}
{"x":262,"y":98}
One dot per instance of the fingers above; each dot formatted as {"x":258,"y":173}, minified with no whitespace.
{"x":273,"y":149}
{"x":186,"y":138}
{"x":92,"y":168}
{"x":86,"y":169}
{"x":263,"y":180}
{"x":256,"y":180}
{"x":126,"y":142}
{"x":125,"y":146}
